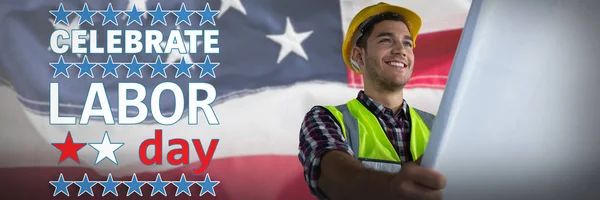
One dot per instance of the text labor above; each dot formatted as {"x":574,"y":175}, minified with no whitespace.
{"x":98,"y":93}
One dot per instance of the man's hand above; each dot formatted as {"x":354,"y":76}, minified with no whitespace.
{"x":343,"y":177}
{"x":416,"y":182}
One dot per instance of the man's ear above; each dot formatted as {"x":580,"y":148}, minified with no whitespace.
{"x":357,"y":56}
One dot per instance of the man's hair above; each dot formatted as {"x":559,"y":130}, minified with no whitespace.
{"x":367,"y":28}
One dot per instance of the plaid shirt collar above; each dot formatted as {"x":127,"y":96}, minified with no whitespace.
{"x":378,"y":109}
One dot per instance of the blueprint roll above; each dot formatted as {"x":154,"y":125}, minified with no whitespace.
{"x":520,"y":116}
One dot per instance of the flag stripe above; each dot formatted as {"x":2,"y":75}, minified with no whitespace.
{"x":248,"y":177}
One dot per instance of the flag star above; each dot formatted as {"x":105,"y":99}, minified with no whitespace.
{"x":61,"y":15}
{"x":158,"y":67}
{"x":110,"y":15}
{"x":134,"y":185}
{"x":85,"y":185}
{"x":110,"y":67}
{"x":290,"y":41}
{"x":61,"y":185}
{"x":183,"y":186}
{"x":207,"y":15}
{"x":158,"y":185}
{"x":140,"y":4}
{"x":110,"y":186}
{"x":208,"y":185}
{"x":208,"y":67}
{"x":134,"y":67}
{"x":106,"y":149}
{"x":61,"y":67}
{"x":86,"y":15}
{"x":158,"y":15}
{"x":183,"y":68}
{"x":134,"y":15}
{"x":183,"y":15}
{"x":226,"y":4}
{"x":175,"y":56}
{"x":68,"y":149}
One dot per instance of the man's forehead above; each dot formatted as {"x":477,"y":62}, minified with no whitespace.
{"x":397,"y":28}
{"x":390,"y":34}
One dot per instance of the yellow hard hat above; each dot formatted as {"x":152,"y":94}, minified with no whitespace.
{"x":413,"y":22}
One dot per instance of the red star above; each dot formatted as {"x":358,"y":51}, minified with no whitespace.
{"x":68,"y":149}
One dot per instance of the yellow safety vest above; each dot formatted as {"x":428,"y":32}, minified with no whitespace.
{"x":368,"y":141}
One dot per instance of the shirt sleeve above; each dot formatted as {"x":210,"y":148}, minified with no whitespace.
{"x":319,"y":133}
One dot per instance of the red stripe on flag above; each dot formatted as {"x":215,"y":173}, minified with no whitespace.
{"x":433,"y":59}
{"x":248,"y":178}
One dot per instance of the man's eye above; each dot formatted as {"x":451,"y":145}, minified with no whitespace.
{"x":386,"y":40}
{"x":408,"y":44}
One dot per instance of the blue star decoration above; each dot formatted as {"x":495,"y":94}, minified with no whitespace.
{"x":208,"y":15}
{"x":135,"y":15}
{"x":134,"y":68}
{"x":110,"y":67}
{"x":61,"y":67}
{"x":183,"y":186}
{"x":158,"y":15}
{"x":61,"y":15}
{"x":61,"y":185}
{"x":85,"y":15}
{"x":158,"y":185}
{"x":134,"y":185}
{"x":110,"y":186}
{"x":85,"y":185}
{"x":181,"y":66}
{"x":183,"y":15}
{"x":85,"y":67}
{"x":208,"y":185}
{"x":158,"y":67}
{"x":110,"y":15}
{"x":208,"y":67}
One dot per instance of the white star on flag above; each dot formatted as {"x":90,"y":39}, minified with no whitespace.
{"x":140,"y":5}
{"x":226,"y":4}
{"x":106,"y":149}
{"x":73,"y":25}
{"x":175,"y":56}
{"x":290,"y":41}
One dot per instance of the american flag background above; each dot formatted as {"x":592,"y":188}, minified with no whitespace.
{"x":277,"y":59}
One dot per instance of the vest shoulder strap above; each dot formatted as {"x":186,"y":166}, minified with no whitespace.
{"x":426,"y":117}
{"x":350,"y":125}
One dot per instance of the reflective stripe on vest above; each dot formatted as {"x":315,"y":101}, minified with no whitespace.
{"x":368,"y":141}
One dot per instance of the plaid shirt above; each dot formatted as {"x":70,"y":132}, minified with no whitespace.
{"x":320,"y":133}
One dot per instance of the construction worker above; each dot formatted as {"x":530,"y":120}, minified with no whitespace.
{"x":370,"y":147}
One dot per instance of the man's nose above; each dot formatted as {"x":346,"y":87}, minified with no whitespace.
{"x":399,"y":49}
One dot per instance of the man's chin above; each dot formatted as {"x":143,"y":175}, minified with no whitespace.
{"x":394,"y":86}
{"x":401,"y":82}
